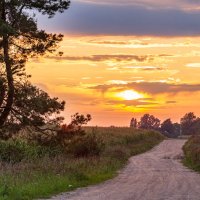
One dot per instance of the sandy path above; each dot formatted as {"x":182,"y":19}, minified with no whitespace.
{"x":155,"y":175}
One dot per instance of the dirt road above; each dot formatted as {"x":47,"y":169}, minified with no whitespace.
{"x":155,"y":175}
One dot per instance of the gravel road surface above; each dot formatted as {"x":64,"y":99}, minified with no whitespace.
{"x":155,"y":175}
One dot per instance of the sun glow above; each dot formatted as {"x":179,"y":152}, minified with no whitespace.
{"x":130,"y":95}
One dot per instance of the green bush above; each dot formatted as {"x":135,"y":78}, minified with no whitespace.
{"x":192,"y":152}
{"x":87,"y":145}
{"x":14,"y":151}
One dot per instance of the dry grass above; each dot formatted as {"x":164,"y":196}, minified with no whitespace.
{"x":47,"y":176}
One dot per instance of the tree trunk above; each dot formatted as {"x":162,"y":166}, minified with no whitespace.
{"x":5,"y":113}
{"x":2,"y":93}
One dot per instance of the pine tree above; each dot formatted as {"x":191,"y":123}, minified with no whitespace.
{"x":21,"y":39}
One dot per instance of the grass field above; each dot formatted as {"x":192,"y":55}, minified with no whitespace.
{"x":47,"y":176}
{"x":192,"y":153}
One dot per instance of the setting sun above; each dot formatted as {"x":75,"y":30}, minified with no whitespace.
{"x":130,"y":95}
{"x":121,"y":68}
{"x":88,"y":85}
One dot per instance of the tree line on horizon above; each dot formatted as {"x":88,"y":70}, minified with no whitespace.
{"x":189,"y":125}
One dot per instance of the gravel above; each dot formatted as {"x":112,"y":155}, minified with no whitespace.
{"x":155,"y":175}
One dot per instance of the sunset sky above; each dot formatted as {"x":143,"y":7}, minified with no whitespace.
{"x":124,"y":58}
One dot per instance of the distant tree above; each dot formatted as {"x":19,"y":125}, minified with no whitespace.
{"x":188,"y":123}
{"x":133,"y":123}
{"x":177,"y":127}
{"x":196,"y":127}
{"x":170,"y":129}
{"x":149,"y":122}
{"x":167,"y":127}
{"x":21,"y":39}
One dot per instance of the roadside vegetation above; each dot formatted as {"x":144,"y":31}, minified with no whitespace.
{"x":39,"y":155}
{"x":192,"y":153}
{"x":29,"y":171}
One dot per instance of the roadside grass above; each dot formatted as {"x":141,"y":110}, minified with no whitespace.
{"x":192,"y":153}
{"x":45,"y":176}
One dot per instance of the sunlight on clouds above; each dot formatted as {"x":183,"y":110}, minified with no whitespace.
{"x":144,"y":67}
{"x":128,"y":75}
{"x":130,"y":95}
{"x":141,"y":42}
{"x":122,"y":82}
{"x":193,"y":65}
{"x":150,"y":4}
{"x":132,"y":109}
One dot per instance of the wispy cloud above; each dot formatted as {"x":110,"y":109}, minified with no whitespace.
{"x":123,"y":62}
{"x":135,"y":103}
{"x":151,"y":87}
{"x":171,"y":102}
{"x":125,"y":69}
{"x":145,"y":68}
{"x":193,"y":65}
{"x":142,"y":42}
{"x":150,"y":4}
{"x":113,"y":43}
{"x":101,"y":58}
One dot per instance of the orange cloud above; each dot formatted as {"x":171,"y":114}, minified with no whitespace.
{"x":151,"y":87}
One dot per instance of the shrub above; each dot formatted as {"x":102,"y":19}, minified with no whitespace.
{"x":53,"y":135}
{"x":49,"y":140}
{"x":43,"y":136}
{"x":192,"y":151}
{"x":118,"y":152}
{"x":87,"y":145}
{"x":14,"y":151}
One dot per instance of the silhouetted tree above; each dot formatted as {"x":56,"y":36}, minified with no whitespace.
{"x":177,"y":128}
{"x":21,"y":39}
{"x":167,"y":127}
{"x":196,"y":127}
{"x":34,"y":107}
{"x":170,"y":129}
{"x":133,"y":123}
{"x":149,"y":122}
{"x":187,"y":124}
